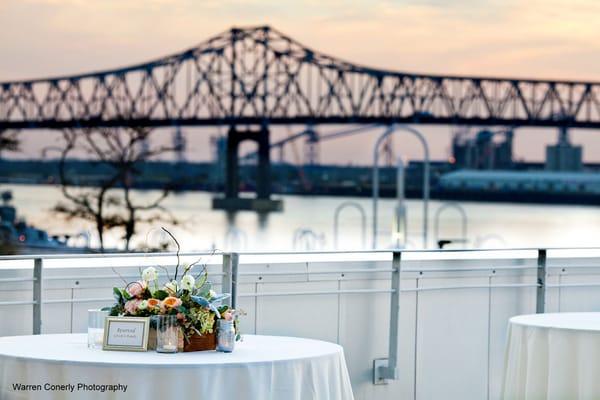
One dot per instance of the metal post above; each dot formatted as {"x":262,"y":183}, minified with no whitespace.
{"x":235,"y":260}
{"x":230,"y":278}
{"x":227,"y":284}
{"x":37,"y":295}
{"x":540,"y":305}
{"x":401,"y":224}
{"x":388,"y":368}
{"x":375,"y":185}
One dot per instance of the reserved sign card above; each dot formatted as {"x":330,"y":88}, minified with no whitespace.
{"x":126,"y":333}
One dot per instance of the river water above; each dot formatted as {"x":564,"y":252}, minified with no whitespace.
{"x":311,"y":220}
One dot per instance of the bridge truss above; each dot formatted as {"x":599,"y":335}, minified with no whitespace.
{"x":260,"y":76}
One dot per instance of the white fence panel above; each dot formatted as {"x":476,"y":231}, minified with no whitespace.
{"x":454,"y":306}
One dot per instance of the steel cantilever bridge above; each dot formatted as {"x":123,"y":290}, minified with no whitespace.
{"x":257,"y":77}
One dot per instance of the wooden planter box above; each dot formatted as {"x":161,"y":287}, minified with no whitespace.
{"x":196,"y":342}
{"x":201,"y":343}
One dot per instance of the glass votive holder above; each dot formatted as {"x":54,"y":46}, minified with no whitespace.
{"x":96,"y":328}
{"x":225,"y":336}
{"x":167,"y":334}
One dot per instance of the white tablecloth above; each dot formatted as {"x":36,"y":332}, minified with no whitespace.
{"x":261,"y":368}
{"x":553,"y":356}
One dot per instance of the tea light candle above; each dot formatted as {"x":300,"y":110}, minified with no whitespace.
{"x":167,"y":333}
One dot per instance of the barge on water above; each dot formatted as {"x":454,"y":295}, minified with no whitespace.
{"x":521,"y":186}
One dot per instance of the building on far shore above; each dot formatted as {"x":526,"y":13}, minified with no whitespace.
{"x":563,"y":156}
{"x":485,"y":151}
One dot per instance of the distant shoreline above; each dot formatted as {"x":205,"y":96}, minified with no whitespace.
{"x":316,"y":180}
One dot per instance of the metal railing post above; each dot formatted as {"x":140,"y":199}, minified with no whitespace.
{"x":235,"y":260}
{"x":37,"y":295}
{"x":388,"y":368}
{"x":230,"y":278}
{"x":540,"y":305}
{"x":226,"y":286}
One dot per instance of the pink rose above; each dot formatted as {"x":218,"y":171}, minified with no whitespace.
{"x":136,"y":289}
{"x":131,"y":307}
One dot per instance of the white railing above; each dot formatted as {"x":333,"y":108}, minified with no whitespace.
{"x":435,"y":320}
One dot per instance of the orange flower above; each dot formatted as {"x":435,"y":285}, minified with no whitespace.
{"x":152,"y":303}
{"x":171,"y":302}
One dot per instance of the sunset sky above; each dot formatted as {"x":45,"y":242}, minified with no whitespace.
{"x":539,"y":39}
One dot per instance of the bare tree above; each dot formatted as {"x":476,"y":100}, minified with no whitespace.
{"x":9,"y":141}
{"x":107,"y":200}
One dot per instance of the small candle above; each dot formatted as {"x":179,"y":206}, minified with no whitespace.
{"x":167,"y":331}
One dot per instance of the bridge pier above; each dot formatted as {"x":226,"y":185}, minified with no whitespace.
{"x":262,"y":202}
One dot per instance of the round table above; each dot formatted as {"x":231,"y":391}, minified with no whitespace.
{"x":553,"y":356}
{"x":261,"y":367}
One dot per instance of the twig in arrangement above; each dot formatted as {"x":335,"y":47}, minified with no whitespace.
{"x":215,"y":251}
{"x":166,"y":271}
{"x":187,"y":269}
{"x":119,"y":275}
{"x":178,"y":250}
{"x":203,"y":272}
{"x":194,"y":263}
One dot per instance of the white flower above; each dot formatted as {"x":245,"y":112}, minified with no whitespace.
{"x":188,"y":282}
{"x":211,"y":294}
{"x":149,"y":274}
{"x":143,"y":305}
{"x":171,"y":286}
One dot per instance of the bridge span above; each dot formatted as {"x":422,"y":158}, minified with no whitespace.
{"x":256,"y":77}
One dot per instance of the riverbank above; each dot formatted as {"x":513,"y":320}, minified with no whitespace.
{"x":316,"y":180}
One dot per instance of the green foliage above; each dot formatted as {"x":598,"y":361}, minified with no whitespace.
{"x":126,"y":294}
{"x":160,"y":294}
{"x":182,"y":309}
{"x":117,"y":310}
{"x":223,"y":308}
{"x":202,"y":280}
{"x":118,"y":295}
{"x":199,"y":320}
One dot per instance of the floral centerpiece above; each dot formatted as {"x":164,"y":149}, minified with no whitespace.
{"x":190,"y":297}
